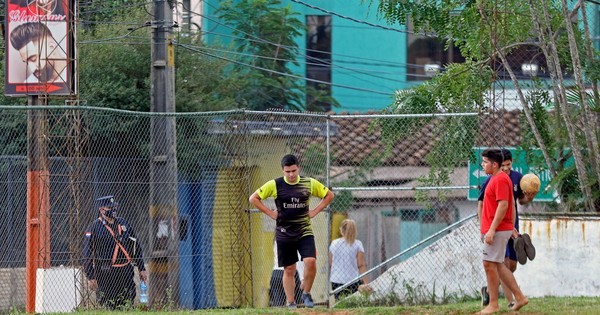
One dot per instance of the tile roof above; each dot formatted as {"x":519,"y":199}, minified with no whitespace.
{"x":355,"y":141}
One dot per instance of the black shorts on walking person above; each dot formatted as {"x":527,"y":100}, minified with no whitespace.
{"x":115,"y":286}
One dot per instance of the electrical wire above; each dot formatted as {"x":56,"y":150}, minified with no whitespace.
{"x":282,"y":73}
{"x":353,"y":19}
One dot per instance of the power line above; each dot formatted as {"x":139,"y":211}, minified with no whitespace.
{"x":349,"y":70}
{"x":377,"y":62}
{"x":258,"y":39}
{"x":282,"y":73}
{"x":353,"y":19}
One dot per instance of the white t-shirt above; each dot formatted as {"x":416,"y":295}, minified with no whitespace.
{"x":344,"y":264}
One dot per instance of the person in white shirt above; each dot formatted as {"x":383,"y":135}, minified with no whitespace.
{"x":347,"y":260}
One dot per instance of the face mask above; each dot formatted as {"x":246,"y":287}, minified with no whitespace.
{"x":110,"y":213}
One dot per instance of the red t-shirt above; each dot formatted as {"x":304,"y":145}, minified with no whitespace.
{"x":499,"y":188}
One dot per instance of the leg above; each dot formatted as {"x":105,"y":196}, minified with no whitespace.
{"x":493,"y":281}
{"x":289,"y":282}
{"x":310,"y":271}
{"x":512,"y":266}
{"x":509,"y":280}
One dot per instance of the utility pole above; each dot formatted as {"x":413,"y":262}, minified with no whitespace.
{"x":38,"y":200}
{"x":164,"y":228}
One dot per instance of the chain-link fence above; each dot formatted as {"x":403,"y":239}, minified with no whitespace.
{"x":190,"y":220}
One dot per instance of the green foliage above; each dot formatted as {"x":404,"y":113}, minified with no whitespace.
{"x":458,"y":90}
{"x":266,"y":34}
{"x":93,"y":12}
{"x":116,"y":73}
{"x":202,"y":83}
{"x":482,"y":29}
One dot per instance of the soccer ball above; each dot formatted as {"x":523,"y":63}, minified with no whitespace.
{"x":530,"y":183}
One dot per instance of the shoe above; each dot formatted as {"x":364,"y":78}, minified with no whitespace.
{"x":510,"y":305}
{"x":529,"y":249}
{"x":308,"y":301}
{"x":520,"y":250}
{"x":292,"y":305}
{"x":485,"y":297}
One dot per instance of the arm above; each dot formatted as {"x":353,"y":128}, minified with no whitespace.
{"x":362,"y":266}
{"x":322,"y":205}
{"x":138,"y":258}
{"x":526,"y":198}
{"x":257,"y":202}
{"x":479,"y":210}
{"x":498,"y":216}
{"x":87,"y":259}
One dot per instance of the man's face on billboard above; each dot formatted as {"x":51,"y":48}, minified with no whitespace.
{"x":41,"y":58}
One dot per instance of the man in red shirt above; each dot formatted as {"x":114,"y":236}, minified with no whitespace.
{"x":497,"y":218}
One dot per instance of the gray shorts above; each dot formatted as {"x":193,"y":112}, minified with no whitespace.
{"x":495,"y":252}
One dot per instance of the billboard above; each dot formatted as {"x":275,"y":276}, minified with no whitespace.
{"x":39,"y":48}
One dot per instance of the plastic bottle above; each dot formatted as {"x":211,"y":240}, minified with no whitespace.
{"x":143,"y":292}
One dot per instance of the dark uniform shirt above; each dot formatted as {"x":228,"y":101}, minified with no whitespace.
{"x":99,"y":246}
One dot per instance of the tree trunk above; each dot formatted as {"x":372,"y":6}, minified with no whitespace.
{"x":548,"y":45}
{"x":590,"y":128}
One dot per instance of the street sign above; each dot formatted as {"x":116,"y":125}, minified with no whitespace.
{"x":477,"y":175}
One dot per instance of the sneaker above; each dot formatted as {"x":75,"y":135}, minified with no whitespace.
{"x":520,"y":250}
{"x":308,"y":301}
{"x":529,"y":249}
{"x":485,"y":297}
{"x":292,"y":305}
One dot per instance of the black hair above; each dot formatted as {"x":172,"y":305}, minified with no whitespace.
{"x":494,"y":155}
{"x":289,"y":160}
{"x":28,"y":32}
{"x":507,"y":155}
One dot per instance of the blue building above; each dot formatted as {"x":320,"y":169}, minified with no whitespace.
{"x":347,"y":44}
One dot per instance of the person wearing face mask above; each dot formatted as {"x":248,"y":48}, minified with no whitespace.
{"x":110,"y":252}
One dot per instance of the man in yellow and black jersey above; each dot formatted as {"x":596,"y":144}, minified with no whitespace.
{"x":293,"y":231}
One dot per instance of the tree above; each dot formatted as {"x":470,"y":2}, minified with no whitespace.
{"x":265,"y":39}
{"x":486,"y":33}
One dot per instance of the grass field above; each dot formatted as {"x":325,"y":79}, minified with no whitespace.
{"x":537,"y":306}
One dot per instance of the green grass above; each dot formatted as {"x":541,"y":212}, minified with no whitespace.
{"x":537,"y":306}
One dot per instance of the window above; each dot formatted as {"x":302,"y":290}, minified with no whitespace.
{"x":426,"y":55}
{"x":526,"y":61}
{"x":318,"y":57}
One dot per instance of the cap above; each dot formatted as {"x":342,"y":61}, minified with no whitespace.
{"x":106,"y":202}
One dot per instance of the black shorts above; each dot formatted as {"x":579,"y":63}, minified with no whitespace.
{"x":287,"y":251}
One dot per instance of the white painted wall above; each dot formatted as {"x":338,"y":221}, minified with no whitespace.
{"x":567,"y":259}
{"x":567,"y":262}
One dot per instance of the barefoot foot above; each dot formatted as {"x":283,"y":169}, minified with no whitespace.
{"x":519,"y":304}
{"x":489,"y":310}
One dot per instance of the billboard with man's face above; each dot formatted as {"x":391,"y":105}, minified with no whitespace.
{"x":39,"y":48}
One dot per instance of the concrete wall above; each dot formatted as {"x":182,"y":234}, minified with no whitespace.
{"x":567,"y":259}
{"x":567,"y":262}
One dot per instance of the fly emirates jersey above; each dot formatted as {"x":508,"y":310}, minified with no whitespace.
{"x":292,"y":201}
